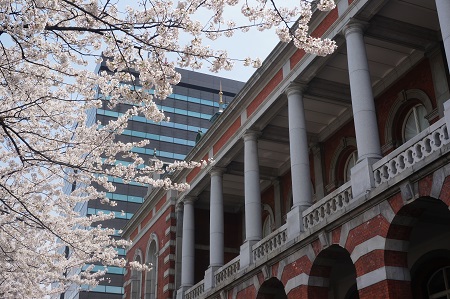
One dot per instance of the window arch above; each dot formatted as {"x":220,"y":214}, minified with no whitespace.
{"x":136,"y":278}
{"x":151,"y":278}
{"x":438,"y":286}
{"x":409,"y":115}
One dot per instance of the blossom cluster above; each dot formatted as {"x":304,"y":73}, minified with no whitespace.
{"x":54,"y":158}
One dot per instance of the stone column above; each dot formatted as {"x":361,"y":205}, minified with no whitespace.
{"x":253,"y":224}
{"x":443,"y":10}
{"x":364,"y":114}
{"x":298,"y":146}
{"x":216,"y":226}
{"x":188,"y":248}
{"x":366,"y":128}
{"x":299,"y":152}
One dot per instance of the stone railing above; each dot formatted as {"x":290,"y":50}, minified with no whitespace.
{"x":273,"y":241}
{"x":413,"y":151}
{"x":327,"y":206}
{"x":195,"y":291}
{"x":228,"y":270}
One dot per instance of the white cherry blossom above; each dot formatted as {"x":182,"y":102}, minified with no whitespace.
{"x":53,"y":158}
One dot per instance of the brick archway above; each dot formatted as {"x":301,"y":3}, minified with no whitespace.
{"x":417,"y":229}
{"x":272,"y":289}
{"x":332,"y":274}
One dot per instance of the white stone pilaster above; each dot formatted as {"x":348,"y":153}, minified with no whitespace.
{"x":179,"y":242}
{"x":277,"y":199}
{"x":443,"y":10}
{"x":318,"y":172}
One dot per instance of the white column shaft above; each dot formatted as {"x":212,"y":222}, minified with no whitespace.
{"x":188,"y":249}
{"x":253,"y":225}
{"x":216,"y":225}
{"x":298,"y":144}
{"x":443,"y":10}
{"x":366,"y":128}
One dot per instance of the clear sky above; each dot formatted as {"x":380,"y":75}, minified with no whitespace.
{"x":241,"y":45}
{"x":254,"y":43}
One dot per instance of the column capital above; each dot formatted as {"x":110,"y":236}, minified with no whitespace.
{"x":217,"y":171}
{"x":251,"y":135}
{"x":188,"y":200}
{"x":354,"y":25}
{"x":294,"y":88}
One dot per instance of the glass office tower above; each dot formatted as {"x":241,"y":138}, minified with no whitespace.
{"x":194,"y":102}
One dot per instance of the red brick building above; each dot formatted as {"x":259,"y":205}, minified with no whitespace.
{"x":331,"y":176}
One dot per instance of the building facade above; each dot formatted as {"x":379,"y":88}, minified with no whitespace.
{"x":331,"y":176}
{"x":194,"y":101}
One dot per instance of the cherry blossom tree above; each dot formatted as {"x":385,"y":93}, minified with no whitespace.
{"x":47,"y":91}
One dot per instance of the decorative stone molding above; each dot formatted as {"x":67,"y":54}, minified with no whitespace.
{"x":413,"y":151}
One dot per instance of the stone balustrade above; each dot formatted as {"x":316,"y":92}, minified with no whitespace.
{"x":327,"y":206}
{"x":195,"y":291}
{"x":273,"y":241}
{"x":424,"y":144}
{"x":227,"y":271}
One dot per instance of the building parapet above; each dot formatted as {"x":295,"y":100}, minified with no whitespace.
{"x":267,"y":245}
{"x":328,"y":206}
{"x":228,"y":270}
{"x":195,"y":291}
{"x":424,"y":144}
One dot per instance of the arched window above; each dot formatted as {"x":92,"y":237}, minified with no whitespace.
{"x":136,"y":281}
{"x":439,"y":284}
{"x":407,"y":117}
{"x":151,"y":276}
{"x":415,"y":122}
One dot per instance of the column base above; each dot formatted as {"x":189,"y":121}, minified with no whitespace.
{"x":295,"y":222}
{"x":210,"y":281}
{"x":181,"y":291}
{"x":362,"y":177}
{"x":246,"y":254}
